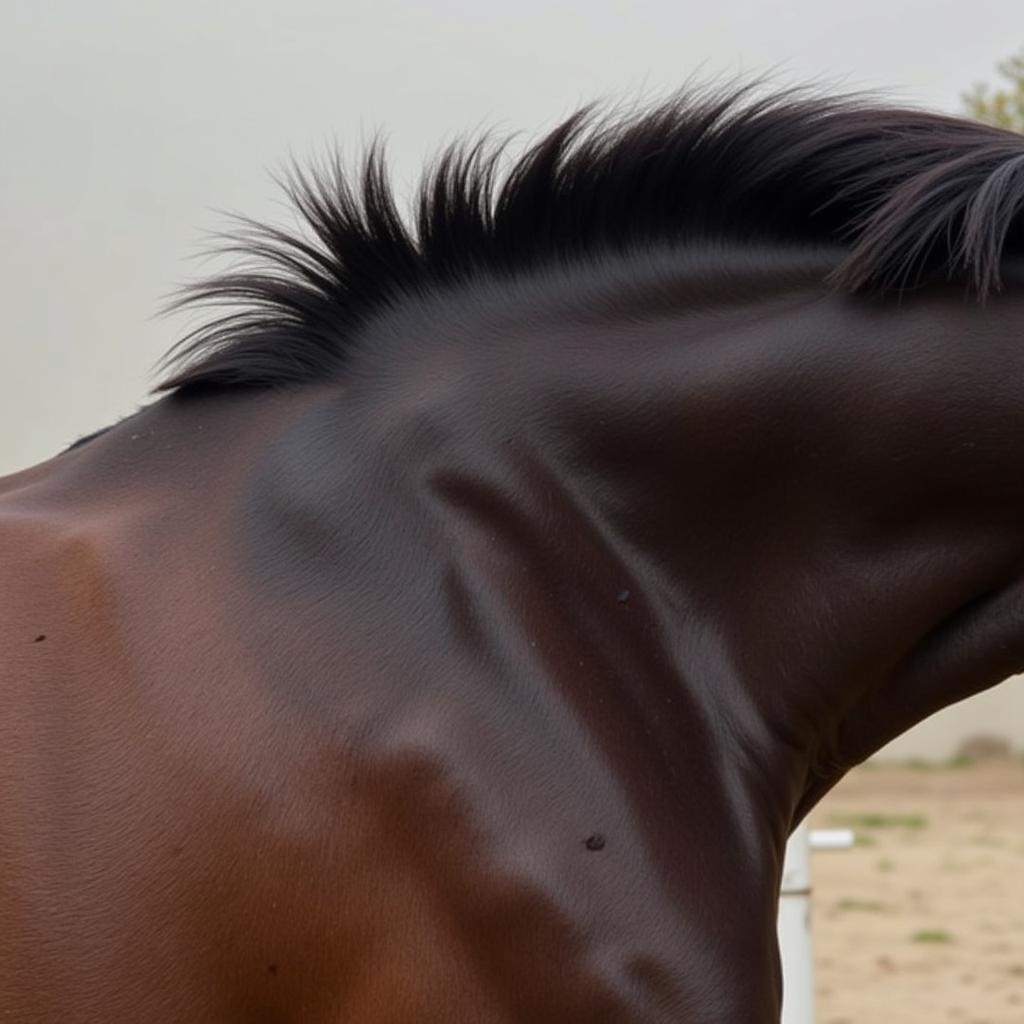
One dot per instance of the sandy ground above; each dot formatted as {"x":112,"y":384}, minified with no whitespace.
{"x":923,"y":920}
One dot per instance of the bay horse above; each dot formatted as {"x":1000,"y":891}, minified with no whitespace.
{"x":490,"y":590}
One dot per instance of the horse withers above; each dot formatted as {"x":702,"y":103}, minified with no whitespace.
{"x":490,"y":591}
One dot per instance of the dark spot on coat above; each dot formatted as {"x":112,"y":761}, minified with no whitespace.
{"x":594,"y":842}
{"x":40,"y":638}
{"x":272,"y":969}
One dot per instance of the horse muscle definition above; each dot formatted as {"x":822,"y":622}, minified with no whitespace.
{"x":491,"y":588}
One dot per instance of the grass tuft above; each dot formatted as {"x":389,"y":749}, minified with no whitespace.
{"x":855,"y":821}
{"x":866,"y":906}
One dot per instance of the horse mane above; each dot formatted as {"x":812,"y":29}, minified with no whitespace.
{"x":911,"y":196}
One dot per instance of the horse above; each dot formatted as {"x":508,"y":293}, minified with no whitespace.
{"x":491,"y":586}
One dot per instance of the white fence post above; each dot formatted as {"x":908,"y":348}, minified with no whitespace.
{"x":794,"y":927}
{"x":795,"y":931}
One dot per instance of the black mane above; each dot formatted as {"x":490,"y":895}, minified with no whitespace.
{"x":913,"y":197}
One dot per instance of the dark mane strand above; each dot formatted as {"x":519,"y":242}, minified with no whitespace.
{"x":913,"y":197}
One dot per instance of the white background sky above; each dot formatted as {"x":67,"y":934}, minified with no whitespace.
{"x":124,"y":124}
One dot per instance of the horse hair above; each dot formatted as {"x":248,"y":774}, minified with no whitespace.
{"x":911,"y":196}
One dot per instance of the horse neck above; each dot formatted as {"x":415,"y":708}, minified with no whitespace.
{"x":740,"y":493}
{"x":752,"y":498}
{"x":517,"y":500}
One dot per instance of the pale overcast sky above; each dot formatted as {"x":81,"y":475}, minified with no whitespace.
{"x":127,"y":123}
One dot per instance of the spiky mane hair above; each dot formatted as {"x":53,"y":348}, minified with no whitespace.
{"x":910,"y":196}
